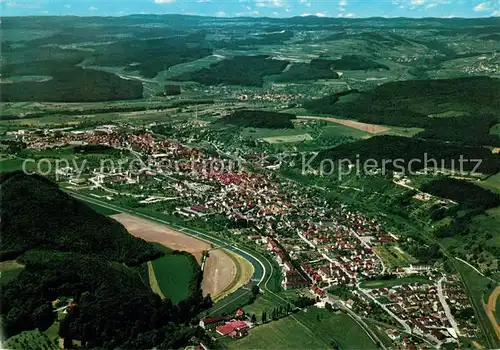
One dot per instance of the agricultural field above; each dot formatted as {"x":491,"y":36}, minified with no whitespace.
{"x":310,"y":329}
{"x":394,"y":282}
{"x":369,"y":128}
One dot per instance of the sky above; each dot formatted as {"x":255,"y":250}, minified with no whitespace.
{"x":256,"y":8}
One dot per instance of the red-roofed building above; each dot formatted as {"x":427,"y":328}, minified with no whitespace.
{"x":211,"y":322}
{"x":240,"y":313}
{"x":234,"y":326}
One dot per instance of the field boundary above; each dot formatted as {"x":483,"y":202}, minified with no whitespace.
{"x":153,"y":282}
{"x":373,"y":129}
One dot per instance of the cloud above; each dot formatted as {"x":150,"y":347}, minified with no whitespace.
{"x":321,"y":14}
{"x":67,"y":6}
{"x":93,"y":8}
{"x":484,"y":6}
{"x":270,"y":3}
{"x":342,"y":3}
{"x":305,"y":3}
{"x":417,"y":2}
{"x":161,"y":2}
{"x":247,"y":14}
{"x":203,"y":1}
{"x":429,"y":6}
{"x":495,"y":13}
{"x":220,"y":14}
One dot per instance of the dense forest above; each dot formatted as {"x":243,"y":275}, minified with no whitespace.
{"x":35,"y":213}
{"x":462,"y":109}
{"x":258,"y":119}
{"x":67,"y":83}
{"x":114,"y":306}
{"x":153,"y":55}
{"x":239,"y":70}
{"x":307,"y":71}
{"x":392,"y":148}
{"x":470,"y":196}
{"x":70,"y":251}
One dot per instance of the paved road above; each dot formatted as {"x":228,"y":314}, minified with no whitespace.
{"x":402,"y":322}
{"x":446,"y":308}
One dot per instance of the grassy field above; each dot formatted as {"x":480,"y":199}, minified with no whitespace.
{"x":394,"y":282}
{"x":393,"y":256}
{"x":310,"y":329}
{"x":492,"y":183}
{"x":479,"y":288}
{"x":173,"y":273}
{"x":12,"y":164}
{"x":100,"y":209}
{"x":263,"y":303}
{"x":288,"y":139}
{"x":495,"y":130}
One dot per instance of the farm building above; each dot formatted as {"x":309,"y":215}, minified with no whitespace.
{"x":234,"y":329}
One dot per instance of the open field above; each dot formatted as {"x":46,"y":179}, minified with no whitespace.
{"x":173,"y":273}
{"x":369,"y":128}
{"x":288,"y":139}
{"x":394,"y":282}
{"x":264,"y":302}
{"x":310,"y":329}
{"x":492,"y":183}
{"x":393,"y":256}
{"x":219,"y":288}
{"x":220,"y":270}
{"x":491,"y":310}
{"x":153,"y":232}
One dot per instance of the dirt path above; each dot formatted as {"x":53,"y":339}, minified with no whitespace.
{"x":369,"y":128}
{"x":491,"y":310}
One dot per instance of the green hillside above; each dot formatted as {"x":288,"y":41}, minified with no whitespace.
{"x":37,"y":214}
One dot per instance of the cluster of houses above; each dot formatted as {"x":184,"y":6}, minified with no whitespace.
{"x":418,"y":304}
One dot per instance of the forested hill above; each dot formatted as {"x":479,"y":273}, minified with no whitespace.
{"x":35,"y":213}
{"x":391,"y":148}
{"x":69,"y":251}
{"x":460,"y":109}
{"x":258,"y":119}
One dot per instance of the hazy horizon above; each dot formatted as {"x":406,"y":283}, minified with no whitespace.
{"x":256,"y":8}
